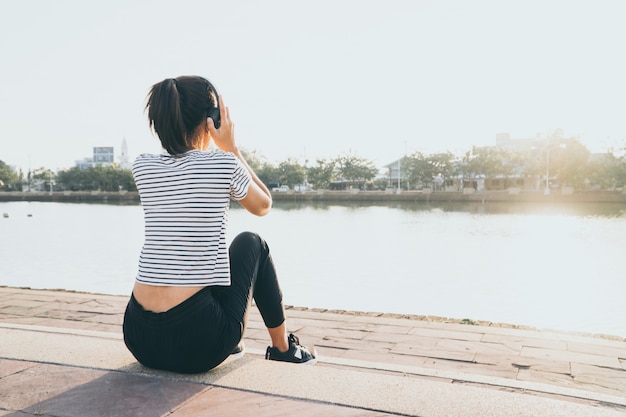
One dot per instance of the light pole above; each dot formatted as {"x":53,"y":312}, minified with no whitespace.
{"x":398,"y":191}
{"x":546,"y":191}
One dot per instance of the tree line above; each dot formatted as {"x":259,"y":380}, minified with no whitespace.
{"x":347,"y":168}
{"x":103,"y":178}
{"x":564,"y":160}
{"x":567,"y":160}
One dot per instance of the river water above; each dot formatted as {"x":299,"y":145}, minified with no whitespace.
{"x":559,"y":267}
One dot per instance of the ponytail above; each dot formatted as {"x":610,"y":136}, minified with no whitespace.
{"x":165,"y":116}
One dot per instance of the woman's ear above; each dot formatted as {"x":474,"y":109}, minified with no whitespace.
{"x":207,"y":135}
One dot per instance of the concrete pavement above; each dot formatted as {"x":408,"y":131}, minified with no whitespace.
{"x":62,"y":354}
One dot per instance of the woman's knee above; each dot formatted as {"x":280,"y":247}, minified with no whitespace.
{"x":249,"y":241}
{"x":247,"y":237}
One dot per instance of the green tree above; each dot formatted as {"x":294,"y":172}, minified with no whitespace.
{"x":44,"y":177}
{"x":380,"y":183}
{"x":291,"y":172}
{"x":320,"y":175}
{"x":266,"y":172}
{"x":620,"y":172}
{"x":109,"y":178}
{"x":9,"y":179}
{"x":416,"y":170}
{"x":352,"y":167}
{"x":482,"y":161}
{"x":605,"y":171}
{"x":568,"y":161}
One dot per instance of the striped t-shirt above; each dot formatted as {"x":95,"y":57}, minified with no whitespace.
{"x":185,"y":201}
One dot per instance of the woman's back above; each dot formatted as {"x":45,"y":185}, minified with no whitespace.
{"x":185,"y":201}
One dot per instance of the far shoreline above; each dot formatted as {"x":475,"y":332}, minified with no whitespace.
{"x":508,"y":196}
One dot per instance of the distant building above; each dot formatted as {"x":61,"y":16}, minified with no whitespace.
{"x":102,"y":156}
{"x":395,"y":174}
{"x":123,"y":159}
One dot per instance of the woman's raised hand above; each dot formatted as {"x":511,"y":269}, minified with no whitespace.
{"x":224,"y":137}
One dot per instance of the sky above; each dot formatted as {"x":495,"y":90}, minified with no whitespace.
{"x":313,"y":79}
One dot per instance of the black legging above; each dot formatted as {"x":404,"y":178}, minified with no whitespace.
{"x":198,"y":334}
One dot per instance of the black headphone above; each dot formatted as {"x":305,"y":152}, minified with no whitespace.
{"x":214,"y":112}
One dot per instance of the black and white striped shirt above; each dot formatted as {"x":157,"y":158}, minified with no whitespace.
{"x":185,"y":201}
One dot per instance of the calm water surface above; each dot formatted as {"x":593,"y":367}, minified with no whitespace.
{"x":556,"y":267}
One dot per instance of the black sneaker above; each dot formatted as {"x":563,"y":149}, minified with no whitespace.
{"x":239,"y":351}
{"x":296,"y":353}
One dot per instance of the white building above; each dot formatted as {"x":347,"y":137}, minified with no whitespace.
{"x":102,"y":156}
{"x":123,"y":159}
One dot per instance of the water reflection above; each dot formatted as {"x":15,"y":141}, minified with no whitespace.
{"x":608,"y":210}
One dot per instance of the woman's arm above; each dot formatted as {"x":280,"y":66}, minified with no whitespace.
{"x":258,"y":201}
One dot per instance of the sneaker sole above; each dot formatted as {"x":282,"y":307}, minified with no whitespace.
{"x":237,"y":355}
{"x":309,"y":362}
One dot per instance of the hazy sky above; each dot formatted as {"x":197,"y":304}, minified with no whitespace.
{"x":318,"y":77}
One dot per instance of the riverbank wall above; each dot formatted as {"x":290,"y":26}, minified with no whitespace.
{"x":508,"y":196}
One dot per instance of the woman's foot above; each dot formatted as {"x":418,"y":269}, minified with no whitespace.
{"x":295,"y":354}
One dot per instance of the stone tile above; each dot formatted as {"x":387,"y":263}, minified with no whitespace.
{"x":587,"y":338}
{"x":111,"y":328}
{"x":475,"y":347}
{"x":71,"y":324}
{"x":334,"y":332}
{"x":308,"y":322}
{"x":339,"y":343}
{"x":403,"y":338}
{"x":115,"y":394}
{"x":381,"y":357}
{"x":257,"y":325}
{"x":7,"y":318}
{"x":38,"y":383}
{"x":436,"y":351}
{"x":517,"y":342}
{"x":255,"y":333}
{"x":256,"y":344}
{"x":496,"y":370}
{"x":328,"y":352}
{"x":11,"y":303}
{"x":233,"y":403}
{"x":553,"y":378}
{"x":538,"y":364}
{"x":483,"y":348}
{"x":19,"y":311}
{"x":111,"y":319}
{"x":447,"y":334}
{"x":390,"y":321}
{"x":584,"y":358}
{"x":294,"y":313}
{"x":10,"y":367}
{"x":456,"y":327}
{"x":612,"y":379}
{"x":37,"y":295}
{"x":376,"y":327}
{"x":597,"y":349}
{"x":66,"y":314}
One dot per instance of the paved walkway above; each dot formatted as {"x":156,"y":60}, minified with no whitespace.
{"x":61,"y":354}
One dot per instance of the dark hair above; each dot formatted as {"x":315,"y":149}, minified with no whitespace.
{"x":176,"y":107}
